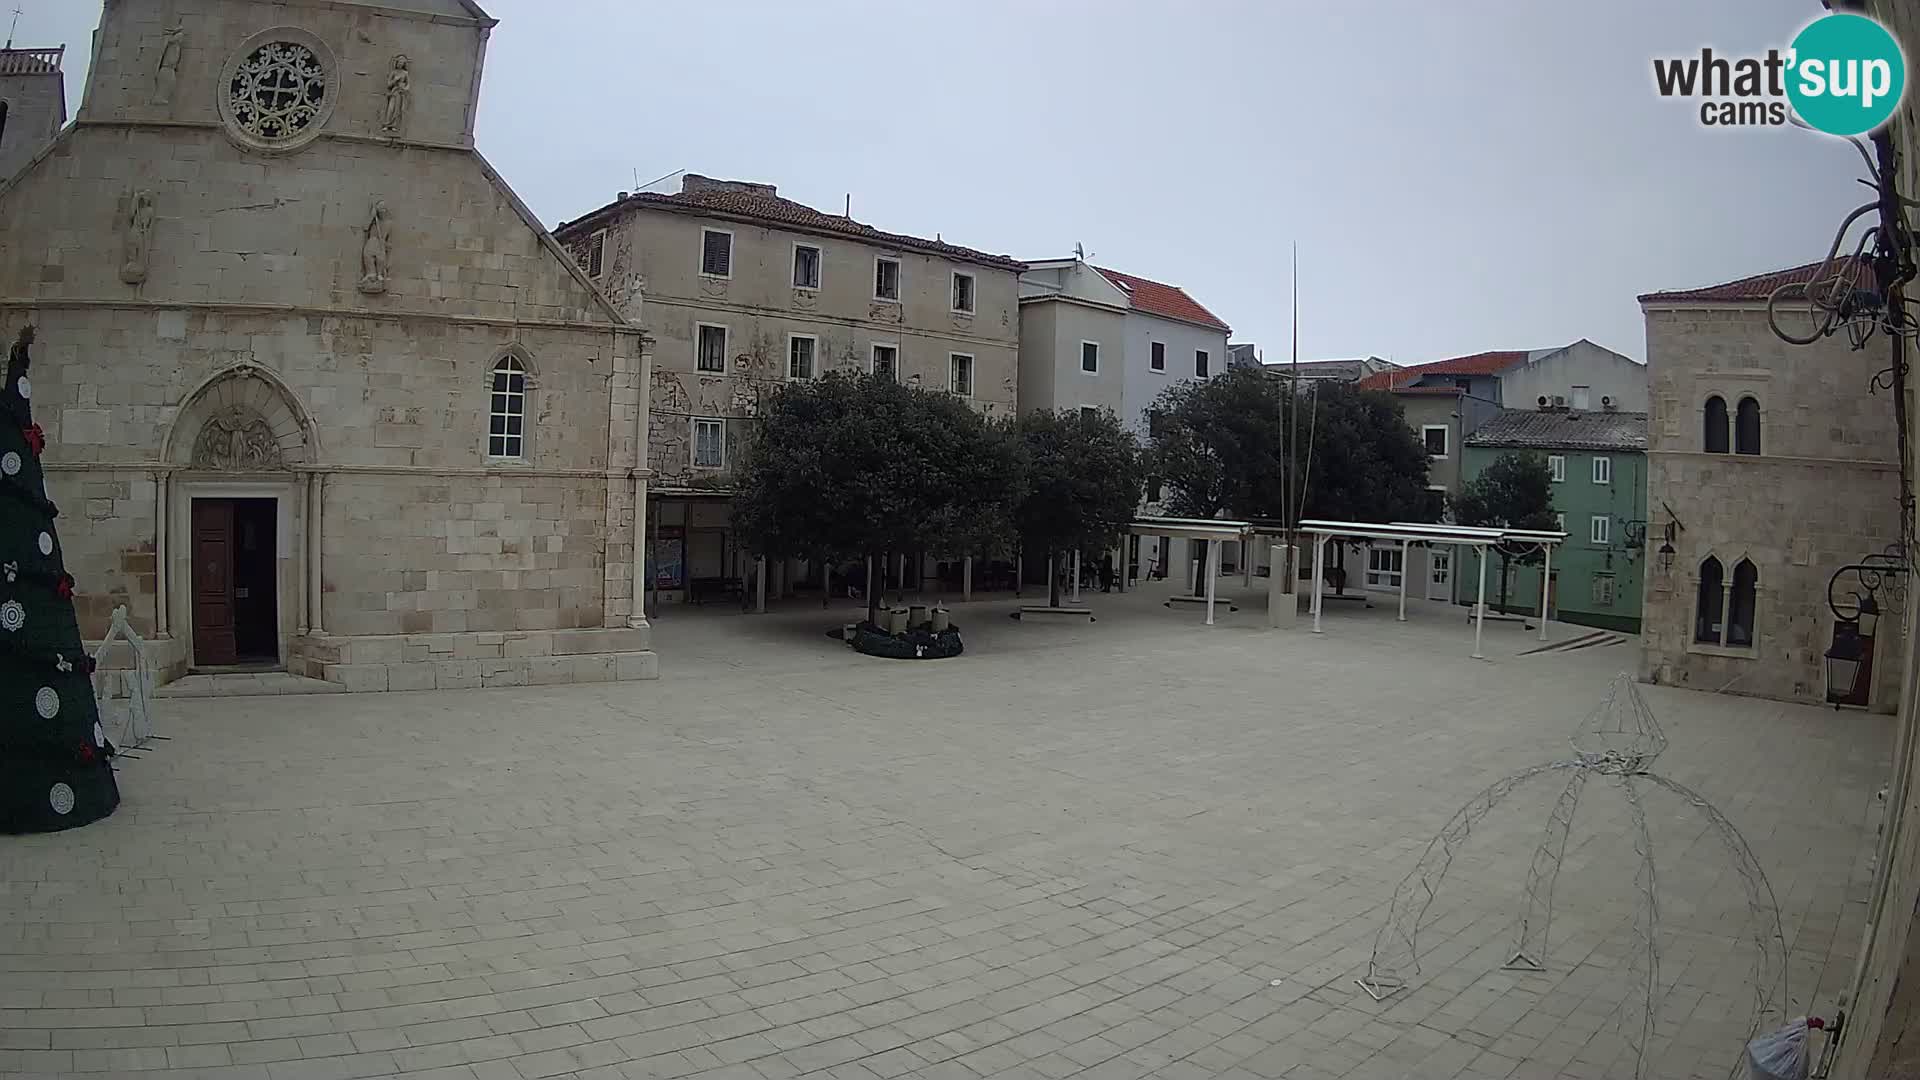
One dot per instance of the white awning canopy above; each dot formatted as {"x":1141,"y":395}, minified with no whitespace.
{"x":1407,"y":533}
{"x":1190,"y":528}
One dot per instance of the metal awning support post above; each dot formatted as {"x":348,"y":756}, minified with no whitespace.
{"x":1319,"y":572}
{"x":1076,"y":575}
{"x":1546,"y":580}
{"x":966,"y":579}
{"x":1213,"y":574}
{"x":1403,"y":581}
{"x":1480,"y":606}
{"x":760,"y":585}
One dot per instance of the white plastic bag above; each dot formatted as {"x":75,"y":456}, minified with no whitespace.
{"x":1781,"y":1055}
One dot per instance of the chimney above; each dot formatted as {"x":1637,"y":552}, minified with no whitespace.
{"x":694,"y":182}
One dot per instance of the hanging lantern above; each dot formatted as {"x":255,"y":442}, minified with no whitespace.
{"x":1844,"y":660}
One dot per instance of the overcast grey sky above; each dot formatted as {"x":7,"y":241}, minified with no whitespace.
{"x":1459,"y":176}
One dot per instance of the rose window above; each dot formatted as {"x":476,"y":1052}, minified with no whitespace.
{"x":278,"y":92}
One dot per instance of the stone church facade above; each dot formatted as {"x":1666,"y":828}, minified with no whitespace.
{"x":319,"y":391}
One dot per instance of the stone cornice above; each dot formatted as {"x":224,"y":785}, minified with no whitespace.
{"x":138,"y":304}
{"x":158,"y":468}
{"x":1781,"y":459}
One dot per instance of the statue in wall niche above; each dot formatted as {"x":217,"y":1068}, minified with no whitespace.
{"x":374,"y":252}
{"x":399,"y":88}
{"x":168,"y":74}
{"x":138,"y":238}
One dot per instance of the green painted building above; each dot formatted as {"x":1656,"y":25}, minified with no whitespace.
{"x":1599,"y":464}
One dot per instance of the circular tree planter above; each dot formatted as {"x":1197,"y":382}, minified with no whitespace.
{"x":919,"y":643}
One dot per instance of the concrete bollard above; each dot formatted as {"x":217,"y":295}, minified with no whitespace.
{"x":917,"y":615}
{"x":941,"y":619}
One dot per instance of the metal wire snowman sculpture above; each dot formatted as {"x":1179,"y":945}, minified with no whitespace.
{"x":1617,"y":742}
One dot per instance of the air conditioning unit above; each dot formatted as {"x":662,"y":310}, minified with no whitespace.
{"x":1543,"y":401}
{"x":1606,"y":403}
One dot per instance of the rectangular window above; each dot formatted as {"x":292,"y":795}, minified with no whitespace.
{"x":709,"y":444}
{"x":597,"y":254}
{"x":1090,"y":357}
{"x":1599,"y":529}
{"x":1089,"y":412}
{"x":716,"y":253}
{"x":1435,"y":436}
{"x":886,"y":279}
{"x":1603,"y":470}
{"x":1583,"y":397}
{"x":1158,"y":361}
{"x":1557,"y":467}
{"x":806,"y":266}
{"x":710,"y":352}
{"x":1200,"y":362}
{"x":1384,"y":567}
{"x":960,"y":374}
{"x":886,"y":362}
{"x":963,"y":293}
{"x":1603,"y":590}
{"x":506,"y":425}
{"x":800,"y":356}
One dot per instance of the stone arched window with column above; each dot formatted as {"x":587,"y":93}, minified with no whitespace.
{"x":1746,"y":426}
{"x":1709,"y":609}
{"x":1726,"y":605}
{"x":1715,"y":438}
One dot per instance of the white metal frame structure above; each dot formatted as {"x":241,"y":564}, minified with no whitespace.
{"x":1217,"y":532}
{"x":1409,"y":533}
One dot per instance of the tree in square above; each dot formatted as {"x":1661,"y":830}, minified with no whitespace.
{"x":55,"y":768}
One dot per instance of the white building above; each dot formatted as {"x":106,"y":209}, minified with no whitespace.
{"x":1094,"y":338}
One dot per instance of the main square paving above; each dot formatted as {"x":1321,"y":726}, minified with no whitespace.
{"x":1139,"y":848}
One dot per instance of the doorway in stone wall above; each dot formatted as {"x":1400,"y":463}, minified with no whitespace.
{"x":236,"y":604}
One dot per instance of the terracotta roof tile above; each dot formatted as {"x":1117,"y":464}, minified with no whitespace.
{"x":1562,"y":430}
{"x":1157,"y":298}
{"x":774,"y":210}
{"x":1485,"y":363}
{"x":1757,"y":287}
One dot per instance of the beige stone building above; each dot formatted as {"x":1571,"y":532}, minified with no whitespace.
{"x":746,"y":291}
{"x":1769,"y":468}
{"x":33,"y":103}
{"x":319,"y":391}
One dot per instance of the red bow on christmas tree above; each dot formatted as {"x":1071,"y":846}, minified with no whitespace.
{"x":36,"y":439}
{"x":65,"y":587}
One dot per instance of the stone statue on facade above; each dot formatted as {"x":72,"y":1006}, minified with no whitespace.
{"x":399,"y":88}
{"x":375,"y":252}
{"x":138,"y":239}
{"x":168,"y":74}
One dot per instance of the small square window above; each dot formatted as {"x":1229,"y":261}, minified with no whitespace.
{"x":886,"y":279}
{"x":960,"y":374}
{"x":1603,"y":470}
{"x":963,"y":293}
{"x":886,"y":362}
{"x":709,"y":444}
{"x":1557,"y":467}
{"x":1435,"y":436}
{"x":1200,"y":363}
{"x":710,"y":353}
{"x":1599,"y":529}
{"x":716,"y":253}
{"x":1582,"y":397}
{"x":800,"y":356}
{"x":1090,"y":357}
{"x":1158,"y":361}
{"x":1089,"y":412}
{"x":806,"y":266}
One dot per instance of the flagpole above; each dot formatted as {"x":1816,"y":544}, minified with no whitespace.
{"x":1293,"y":507}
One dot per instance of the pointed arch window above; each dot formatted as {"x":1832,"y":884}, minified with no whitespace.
{"x":1740,"y":604}
{"x":1746,"y":427}
{"x":1711,"y":604}
{"x":507,"y":417}
{"x":1715,"y":416}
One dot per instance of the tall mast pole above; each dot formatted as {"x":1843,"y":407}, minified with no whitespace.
{"x":1293,"y":500}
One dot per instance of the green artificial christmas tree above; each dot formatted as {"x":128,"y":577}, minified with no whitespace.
{"x":55,"y":771}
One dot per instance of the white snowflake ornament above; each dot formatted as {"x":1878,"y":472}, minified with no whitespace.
{"x":60,"y":797}
{"x":10,"y":463}
{"x":46,"y":702}
{"x":46,"y":543}
{"x":12,"y":616}
{"x":61,"y":663}
{"x":26,"y":388}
